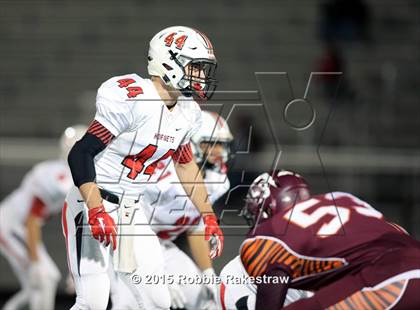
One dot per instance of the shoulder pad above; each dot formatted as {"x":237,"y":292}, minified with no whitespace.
{"x":123,"y":87}
{"x":190,"y":109}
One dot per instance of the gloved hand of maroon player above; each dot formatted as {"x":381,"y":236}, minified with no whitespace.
{"x":102,"y":226}
{"x":214,"y":234}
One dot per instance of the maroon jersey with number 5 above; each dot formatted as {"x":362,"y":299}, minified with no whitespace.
{"x":322,"y":239}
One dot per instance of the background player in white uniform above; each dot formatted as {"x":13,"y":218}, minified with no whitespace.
{"x":22,"y":213}
{"x":171,"y":213}
{"x":138,"y":123}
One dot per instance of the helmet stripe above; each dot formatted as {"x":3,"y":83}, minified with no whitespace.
{"x":206,"y":40}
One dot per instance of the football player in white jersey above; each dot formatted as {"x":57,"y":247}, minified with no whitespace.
{"x":22,"y":213}
{"x":138,"y":123}
{"x":171,"y":213}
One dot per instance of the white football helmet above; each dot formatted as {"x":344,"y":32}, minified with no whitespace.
{"x":214,"y":129}
{"x":174,"y":48}
{"x":69,"y":137}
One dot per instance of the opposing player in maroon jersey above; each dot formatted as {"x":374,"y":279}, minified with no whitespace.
{"x":333,"y":244}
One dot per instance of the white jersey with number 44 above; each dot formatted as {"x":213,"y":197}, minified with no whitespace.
{"x":139,"y":131}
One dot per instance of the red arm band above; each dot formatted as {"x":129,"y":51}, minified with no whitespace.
{"x":38,"y":208}
{"x":183,"y":154}
{"x":99,"y":131}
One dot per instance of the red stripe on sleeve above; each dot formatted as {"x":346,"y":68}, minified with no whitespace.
{"x":108,"y":139}
{"x":183,"y":154}
{"x":101,"y":132}
{"x":95,"y":125}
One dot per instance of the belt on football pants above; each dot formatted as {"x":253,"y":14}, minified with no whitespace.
{"x":110,"y":197}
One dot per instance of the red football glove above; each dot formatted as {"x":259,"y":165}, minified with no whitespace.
{"x":214,"y":234}
{"x":102,"y":226}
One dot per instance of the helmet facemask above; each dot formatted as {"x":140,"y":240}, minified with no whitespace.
{"x":199,"y":79}
{"x":184,"y":59}
{"x":271,"y":194}
{"x":258,"y":200}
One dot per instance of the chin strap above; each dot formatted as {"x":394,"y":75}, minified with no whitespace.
{"x":187,"y":92}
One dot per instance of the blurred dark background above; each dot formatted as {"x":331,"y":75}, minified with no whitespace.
{"x":365,"y":136}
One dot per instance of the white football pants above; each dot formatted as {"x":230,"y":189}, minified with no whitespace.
{"x":89,"y":260}
{"x":179,"y":266}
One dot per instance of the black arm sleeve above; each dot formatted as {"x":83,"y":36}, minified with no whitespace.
{"x":272,"y":295}
{"x":81,"y":157}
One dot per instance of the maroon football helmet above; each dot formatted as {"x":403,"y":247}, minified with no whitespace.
{"x":271,"y":193}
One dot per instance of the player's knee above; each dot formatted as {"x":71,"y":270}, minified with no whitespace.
{"x":53,"y":278}
{"x":92,"y":292}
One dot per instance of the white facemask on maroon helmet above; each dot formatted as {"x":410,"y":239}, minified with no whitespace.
{"x":270,"y":193}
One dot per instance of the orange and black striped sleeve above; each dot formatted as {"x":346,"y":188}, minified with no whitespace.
{"x":260,"y":254}
{"x":256,"y":255}
{"x":371,"y":298}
